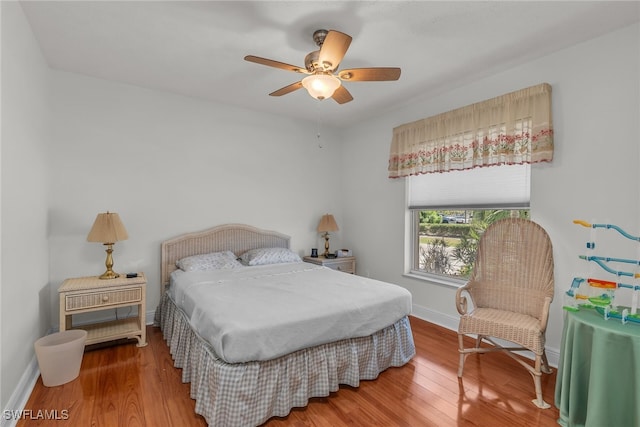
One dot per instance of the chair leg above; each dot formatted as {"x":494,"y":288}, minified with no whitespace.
{"x":462,"y":355}
{"x":536,"y":374}
{"x":545,"y":364}
{"x":479,"y":340}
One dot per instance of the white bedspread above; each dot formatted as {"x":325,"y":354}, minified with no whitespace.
{"x":263,"y":312}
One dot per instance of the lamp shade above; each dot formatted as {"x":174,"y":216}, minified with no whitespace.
{"x":321,"y":86}
{"x":107,"y":228}
{"x":327,"y":223}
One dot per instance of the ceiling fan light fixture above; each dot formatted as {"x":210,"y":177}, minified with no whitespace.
{"x":321,"y":86}
{"x":324,"y":81}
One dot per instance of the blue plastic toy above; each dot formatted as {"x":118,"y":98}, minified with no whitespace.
{"x":600,"y":293}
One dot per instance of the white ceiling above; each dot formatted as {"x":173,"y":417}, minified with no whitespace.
{"x":197,"y":48}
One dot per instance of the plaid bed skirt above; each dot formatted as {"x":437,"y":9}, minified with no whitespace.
{"x":248,"y":394}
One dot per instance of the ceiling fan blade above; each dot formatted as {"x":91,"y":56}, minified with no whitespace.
{"x":333,"y":48}
{"x":342,"y":95}
{"x":287,"y":89}
{"x":275,"y":64}
{"x":369,"y":74}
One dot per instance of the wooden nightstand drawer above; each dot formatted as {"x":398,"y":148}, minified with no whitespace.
{"x":98,"y":299}
{"x":344,"y":264}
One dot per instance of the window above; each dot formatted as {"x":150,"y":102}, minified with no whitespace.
{"x":450,"y":211}
{"x":444,"y":242}
{"x":466,"y":168}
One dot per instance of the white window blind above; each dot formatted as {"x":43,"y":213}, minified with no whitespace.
{"x":504,"y":186}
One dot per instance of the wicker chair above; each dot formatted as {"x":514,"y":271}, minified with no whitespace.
{"x":511,"y":288}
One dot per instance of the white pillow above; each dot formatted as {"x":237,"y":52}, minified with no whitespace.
{"x":210,"y":261}
{"x":264,"y":256}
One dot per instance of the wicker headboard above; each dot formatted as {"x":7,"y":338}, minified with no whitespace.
{"x":237,"y":238}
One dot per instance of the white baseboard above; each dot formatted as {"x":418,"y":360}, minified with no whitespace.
{"x":150,"y":316}
{"x":20,"y":395}
{"x":451,"y":322}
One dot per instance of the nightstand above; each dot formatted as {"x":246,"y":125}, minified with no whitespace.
{"x":87,"y":294}
{"x":345,"y":264}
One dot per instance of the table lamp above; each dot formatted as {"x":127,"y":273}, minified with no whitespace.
{"x":108,"y":229}
{"x":327,"y":224}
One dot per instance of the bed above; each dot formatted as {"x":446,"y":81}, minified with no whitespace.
{"x":242,"y":377}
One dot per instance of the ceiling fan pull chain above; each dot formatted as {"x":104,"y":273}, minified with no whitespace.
{"x":318,"y":135}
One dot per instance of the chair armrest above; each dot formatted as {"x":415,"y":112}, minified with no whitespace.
{"x":545,"y":314}
{"x":461,"y":299}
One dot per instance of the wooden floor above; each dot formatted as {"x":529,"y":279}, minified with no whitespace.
{"x":129,"y":386}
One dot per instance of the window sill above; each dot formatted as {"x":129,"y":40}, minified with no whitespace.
{"x":445,"y":281}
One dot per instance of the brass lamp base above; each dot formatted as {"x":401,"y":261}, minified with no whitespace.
{"x":326,"y":244}
{"x":109,"y":274}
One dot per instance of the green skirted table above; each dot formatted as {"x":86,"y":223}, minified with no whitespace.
{"x":598,"y":382}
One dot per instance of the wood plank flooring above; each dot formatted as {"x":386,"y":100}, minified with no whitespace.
{"x":128,"y":386}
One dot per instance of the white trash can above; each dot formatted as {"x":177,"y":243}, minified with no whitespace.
{"x":60,"y":356}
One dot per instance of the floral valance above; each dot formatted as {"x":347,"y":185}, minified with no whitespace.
{"x":514,"y":128}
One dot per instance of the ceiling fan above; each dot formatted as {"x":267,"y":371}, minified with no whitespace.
{"x":321,"y":66}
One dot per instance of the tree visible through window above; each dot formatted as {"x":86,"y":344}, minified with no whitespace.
{"x":447,"y":240}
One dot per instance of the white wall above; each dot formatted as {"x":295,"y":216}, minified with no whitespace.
{"x":594,"y":174}
{"x":25,"y":313}
{"x":169,"y":164}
